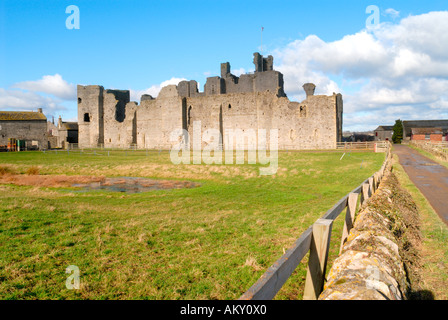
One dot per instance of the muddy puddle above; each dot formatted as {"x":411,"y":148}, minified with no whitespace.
{"x":134,"y":184}
{"x":86,"y":183}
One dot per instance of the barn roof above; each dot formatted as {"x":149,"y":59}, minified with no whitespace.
{"x":425,"y":124}
{"x":385,"y":128}
{"x":21,"y":116}
{"x":70,"y":125}
{"x":426,"y":130}
{"x":409,"y":124}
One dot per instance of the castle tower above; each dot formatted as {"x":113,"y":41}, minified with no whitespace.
{"x":90,"y":116}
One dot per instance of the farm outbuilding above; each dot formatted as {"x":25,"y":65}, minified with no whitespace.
{"x":23,"y":130}
{"x":62,"y":134}
{"x":427,"y":134}
{"x":426,"y":126}
{"x":384,"y":133}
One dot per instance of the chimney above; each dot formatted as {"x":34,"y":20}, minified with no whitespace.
{"x":309,"y":89}
{"x":39,"y":110}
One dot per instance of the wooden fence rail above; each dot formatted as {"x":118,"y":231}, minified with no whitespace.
{"x":315,"y":240}
{"x":366,"y":145}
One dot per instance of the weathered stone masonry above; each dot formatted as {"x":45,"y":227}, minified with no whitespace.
{"x":380,"y":257}
{"x":249,"y":102}
{"x":30,"y":127}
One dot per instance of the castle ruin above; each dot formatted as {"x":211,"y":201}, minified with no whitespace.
{"x":249,"y":102}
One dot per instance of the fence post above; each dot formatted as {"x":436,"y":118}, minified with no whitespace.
{"x":371,"y":186}
{"x":350,"y":213}
{"x":378,"y":180}
{"x":317,"y":262}
{"x":365,"y":193}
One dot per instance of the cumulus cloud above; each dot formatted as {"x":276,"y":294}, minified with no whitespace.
{"x":393,"y":71}
{"x":50,"y":93}
{"x":153,"y":90}
{"x":17,"y":100}
{"x":50,"y":84}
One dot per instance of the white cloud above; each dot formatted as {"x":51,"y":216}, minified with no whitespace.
{"x":18,"y":100}
{"x":238,"y":72}
{"x":49,"y":93}
{"x":392,"y":13}
{"x":153,"y":90}
{"x":392,"y":71}
{"x":50,"y":84}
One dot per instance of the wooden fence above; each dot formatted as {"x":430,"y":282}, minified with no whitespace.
{"x":315,"y":240}
{"x":367,"y":145}
{"x":348,"y":146}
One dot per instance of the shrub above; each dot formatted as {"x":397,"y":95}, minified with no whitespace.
{"x":32,"y":171}
{"x":4,"y":170}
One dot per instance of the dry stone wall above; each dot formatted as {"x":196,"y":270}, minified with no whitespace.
{"x":379,"y":256}
{"x":438,"y":150}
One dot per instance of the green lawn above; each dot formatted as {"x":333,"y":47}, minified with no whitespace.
{"x":210,"y":242}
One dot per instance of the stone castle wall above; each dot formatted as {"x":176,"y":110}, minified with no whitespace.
{"x":249,"y":102}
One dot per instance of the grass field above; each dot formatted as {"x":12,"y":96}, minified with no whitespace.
{"x":210,"y":242}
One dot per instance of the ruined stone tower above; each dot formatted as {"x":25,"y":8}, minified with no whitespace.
{"x":249,"y":102}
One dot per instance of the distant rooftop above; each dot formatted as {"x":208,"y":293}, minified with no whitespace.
{"x":70,"y":125}
{"x":425,"y":123}
{"x":386,"y":128}
{"x":21,"y":116}
{"x":408,"y":125}
{"x":426,"y":130}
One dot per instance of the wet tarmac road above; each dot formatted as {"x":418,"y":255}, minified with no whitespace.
{"x":428,"y":176}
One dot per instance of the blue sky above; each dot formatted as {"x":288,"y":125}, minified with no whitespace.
{"x":141,"y":45}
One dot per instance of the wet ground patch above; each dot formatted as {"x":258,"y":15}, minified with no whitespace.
{"x":135,"y":184}
{"x":87,"y":183}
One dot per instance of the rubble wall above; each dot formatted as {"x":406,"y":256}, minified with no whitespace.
{"x":380,"y":254}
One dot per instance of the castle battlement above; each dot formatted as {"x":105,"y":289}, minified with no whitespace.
{"x":249,"y":102}
{"x":265,"y":78}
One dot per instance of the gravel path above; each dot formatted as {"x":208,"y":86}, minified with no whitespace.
{"x":428,"y":176}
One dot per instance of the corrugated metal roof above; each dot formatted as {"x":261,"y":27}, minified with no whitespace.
{"x":425,"y":123}
{"x":408,"y":124}
{"x":21,"y":116}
